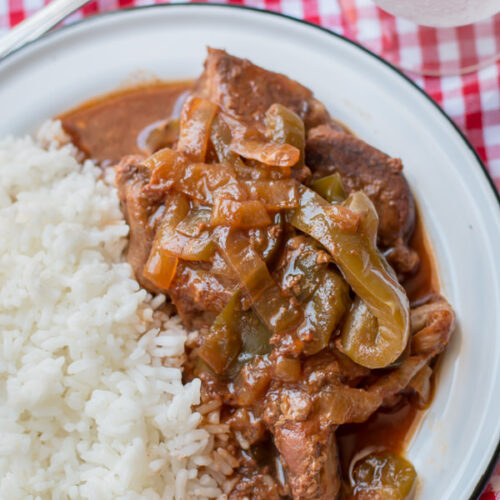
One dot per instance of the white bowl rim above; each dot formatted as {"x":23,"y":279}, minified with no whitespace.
{"x":495,"y":458}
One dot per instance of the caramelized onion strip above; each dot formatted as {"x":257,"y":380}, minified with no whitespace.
{"x":196,"y":121}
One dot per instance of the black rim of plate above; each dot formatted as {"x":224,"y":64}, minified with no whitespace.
{"x":483,"y":481}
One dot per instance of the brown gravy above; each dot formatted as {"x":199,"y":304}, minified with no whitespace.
{"x":425,"y":282}
{"x":383,"y":431}
{"x":106,"y":128}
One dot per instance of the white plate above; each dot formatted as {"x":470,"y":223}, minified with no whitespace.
{"x":456,"y":443}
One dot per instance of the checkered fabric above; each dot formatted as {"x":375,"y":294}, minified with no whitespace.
{"x":471,"y":100}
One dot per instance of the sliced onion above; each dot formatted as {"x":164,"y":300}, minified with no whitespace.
{"x":199,"y":248}
{"x":196,"y":121}
{"x":275,"y":195}
{"x":276,"y":311}
{"x":203,"y":182}
{"x":161,"y":266}
{"x":199,"y":181}
{"x":239,"y":214}
{"x":276,"y":155}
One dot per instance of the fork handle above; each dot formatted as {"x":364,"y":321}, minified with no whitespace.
{"x":38,"y":24}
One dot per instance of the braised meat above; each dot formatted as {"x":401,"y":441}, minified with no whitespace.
{"x":303,"y":415}
{"x":142,"y":210}
{"x":246,"y":91}
{"x":362,"y":167}
{"x":199,"y":295}
{"x":310,"y":458}
{"x":268,"y":225}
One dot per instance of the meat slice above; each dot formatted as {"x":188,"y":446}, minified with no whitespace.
{"x":362,"y":167}
{"x":310,"y":458}
{"x":142,"y":210}
{"x":246,"y":91}
{"x":198,"y":294}
{"x":306,"y":441}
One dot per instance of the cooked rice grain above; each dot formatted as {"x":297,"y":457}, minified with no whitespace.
{"x":92,"y":400}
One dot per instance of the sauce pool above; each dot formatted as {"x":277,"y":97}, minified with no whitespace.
{"x":106,"y":128}
{"x":426,"y":281}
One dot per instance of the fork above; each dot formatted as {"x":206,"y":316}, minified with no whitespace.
{"x":38,"y":24}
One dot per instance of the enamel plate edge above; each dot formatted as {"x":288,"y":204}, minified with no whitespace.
{"x":458,"y":437}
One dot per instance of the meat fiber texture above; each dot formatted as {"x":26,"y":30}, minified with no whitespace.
{"x":92,"y":403}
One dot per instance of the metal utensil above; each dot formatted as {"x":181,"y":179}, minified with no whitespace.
{"x":38,"y":24}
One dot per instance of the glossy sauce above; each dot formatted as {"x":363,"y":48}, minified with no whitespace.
{"x":426,"y":281}
{"x":107,"y":128}
{"x":383,"y":431}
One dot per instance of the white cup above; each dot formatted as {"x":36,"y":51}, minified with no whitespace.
{"x":441,"y":13}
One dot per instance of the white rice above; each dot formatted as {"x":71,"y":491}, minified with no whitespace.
{"x":92,"y":403}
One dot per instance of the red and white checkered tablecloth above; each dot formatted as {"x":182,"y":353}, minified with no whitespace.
{"x":472,"y":100}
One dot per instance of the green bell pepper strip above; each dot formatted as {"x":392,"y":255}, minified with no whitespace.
{"x":330,"y":188}
{"x":254,"y":336}
{"x":363,"y":267}
{"x":220,"y":135}
{"x":286,"y":127}
{"x":276,"y":311}
{"x":234,"y":339}
{"x":266,"y":242}
{"x":191,"y":240}
{"x":324,"y":311}
{"x":301,"y":267}
{"x":383,"y":475}
{"x":222,"y":344}
{"x":323,"y":293}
